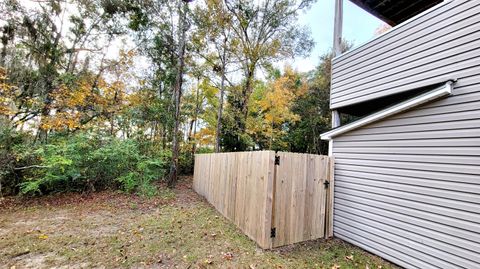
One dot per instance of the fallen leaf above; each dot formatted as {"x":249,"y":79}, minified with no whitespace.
{"x":335,"y":266}
{"x":43,"y":236}
{"x":228,"y":256}
{"x":349,"y":258}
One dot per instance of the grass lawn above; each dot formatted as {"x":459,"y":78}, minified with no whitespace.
{"x":175,"y":230}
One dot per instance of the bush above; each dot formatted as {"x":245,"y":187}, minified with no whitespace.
{"x":86,"y":162}
{"x":9,"y":177}
{"x":186,"y":159}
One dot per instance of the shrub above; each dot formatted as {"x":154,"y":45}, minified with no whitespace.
{"x":9,"y":177}
{"x":186,"y":159}
{"x":86,"y":162}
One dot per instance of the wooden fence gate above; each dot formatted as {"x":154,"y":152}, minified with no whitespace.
{"x":275,"y":198}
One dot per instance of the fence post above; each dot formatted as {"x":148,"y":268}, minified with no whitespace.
{"x":329,"y":198}
{"x":271,"y":185}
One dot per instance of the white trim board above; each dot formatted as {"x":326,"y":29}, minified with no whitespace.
{"x":410,"y":103}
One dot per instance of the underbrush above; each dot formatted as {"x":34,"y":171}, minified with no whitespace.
{"x":78,"y":163}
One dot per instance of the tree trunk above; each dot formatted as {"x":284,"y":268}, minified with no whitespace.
{"x":247,"y":91}
{"x":220,"y":99}
{"x":182,"y":6}
{"x":195,"y":118}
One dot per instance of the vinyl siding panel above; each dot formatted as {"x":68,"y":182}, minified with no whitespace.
{"x":411,"y":55}
{"x":407,"y":188}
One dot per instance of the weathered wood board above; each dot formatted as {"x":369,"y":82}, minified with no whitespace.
{"x":274,"y":204}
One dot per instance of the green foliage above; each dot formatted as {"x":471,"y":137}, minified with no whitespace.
{"x":104,"y":116}
{"x":234,"y":137}
{"x":314,"y":111}
{"x":9,"y":178}
{"x":187,"y":158}
{"x":85,"y":162}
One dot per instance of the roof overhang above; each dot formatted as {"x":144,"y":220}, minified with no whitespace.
{"x":395,"y":12}
{"x":436,"y":93}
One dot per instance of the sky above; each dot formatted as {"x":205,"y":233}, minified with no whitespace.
{"x":358,"y":27}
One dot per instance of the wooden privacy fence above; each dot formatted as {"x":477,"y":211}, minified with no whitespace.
{"x":275,"y":198}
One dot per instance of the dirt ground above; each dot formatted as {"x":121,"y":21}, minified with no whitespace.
{"x":177,"y":229}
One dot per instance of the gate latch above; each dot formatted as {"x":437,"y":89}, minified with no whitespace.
{"x":273,"y":232}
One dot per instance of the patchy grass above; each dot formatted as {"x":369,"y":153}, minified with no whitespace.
{"x":174,"y":230}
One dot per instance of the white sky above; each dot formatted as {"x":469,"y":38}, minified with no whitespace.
{"x":358,"y":27}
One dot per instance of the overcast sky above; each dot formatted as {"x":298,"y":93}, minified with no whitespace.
{"x":358,"y":27}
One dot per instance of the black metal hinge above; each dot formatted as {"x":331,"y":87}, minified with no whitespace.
{"x":277,"y":160}
{"x":326,"y":184}
{"x":273,"y":232}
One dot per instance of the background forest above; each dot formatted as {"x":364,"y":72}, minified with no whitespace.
{"x":121,"y":94}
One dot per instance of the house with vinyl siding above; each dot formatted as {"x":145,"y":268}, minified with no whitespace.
{"x":407,"y":172}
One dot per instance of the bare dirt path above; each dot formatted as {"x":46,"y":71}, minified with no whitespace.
{"x":174,"y":230}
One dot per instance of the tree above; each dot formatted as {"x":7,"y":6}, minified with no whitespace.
{"x":45,"y":48}
{"x":215,"y":44}
{"x":161,"y":27}
{"x":182,"y":29}
{"x":313,"y":109}
{"x":266,"y":31}
{"x":271,"y":109}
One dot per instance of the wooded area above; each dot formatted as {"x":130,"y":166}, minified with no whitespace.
{"x":120,"y":93}
{"x":276,"y":199}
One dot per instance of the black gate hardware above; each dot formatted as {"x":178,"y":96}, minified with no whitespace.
{"x":273,"y":232}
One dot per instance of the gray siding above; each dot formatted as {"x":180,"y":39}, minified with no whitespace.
{"x":408,"y":187}
{"x":434,"y":47}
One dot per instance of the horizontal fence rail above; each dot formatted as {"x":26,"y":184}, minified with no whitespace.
{"x":274,"y":198}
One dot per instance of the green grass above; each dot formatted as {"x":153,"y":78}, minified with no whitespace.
{"x":174,"y":230}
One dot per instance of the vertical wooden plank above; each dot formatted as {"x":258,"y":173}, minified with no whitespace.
{"x":282,"y":204}
{"x":327,"y":196}
{"x":268,"y":198}
{"x":195,"y":174}
{"x":271,"y":198}
{"x":331,"y":197}
{"x":255,"y":194}
{"x":321,"y":167}
{"x":199,"y":176}
{"x":210,"y":161}
{"x":296,"y":210}
{"x":227,"y":184}
{"x":222,"y":184}
{"x":249,"y":195}
{"x":330,"y":200}
{"x":309,"y":192}
{"x":239,"y":194}
{"x":234,"y":176}
{"x":250,"y":190}
{"x":277,"y":221}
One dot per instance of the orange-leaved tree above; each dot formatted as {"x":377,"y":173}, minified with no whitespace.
{"x":270,"y":109}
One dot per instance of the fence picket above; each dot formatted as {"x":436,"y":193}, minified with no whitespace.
{"x":257,"y":195}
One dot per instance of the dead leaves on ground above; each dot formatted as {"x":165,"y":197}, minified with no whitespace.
{"x":43,"y":236}
{"x":227,"y":256}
